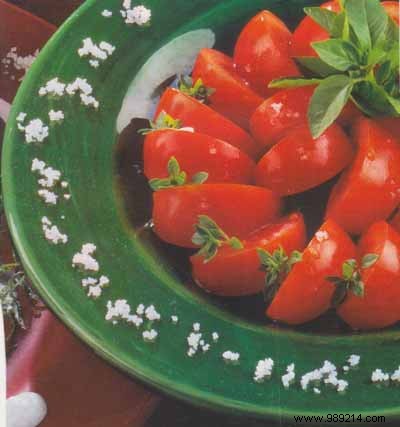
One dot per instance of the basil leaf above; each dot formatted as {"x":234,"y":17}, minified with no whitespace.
{"x":316,"y":65}
{"x":369,"y":260}
{"x":200,"y":178}
{"x":374,"y":99}
{"x":324,"y":17}
{"x":367,"y":19}
{"x":337,"y":29}
{"x":327,"y":102}
{"x":288,"y":82}
{"x":339,"y":54}
{"x":384,"y":72}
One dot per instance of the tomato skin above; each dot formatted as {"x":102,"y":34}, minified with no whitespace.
{"x":237,"y":209}
{"x":285,"y":110}
{"x":369,"y":190}
{"x":196,"y":152}
{"x":380,"y":305}
{"x":203,"y":119}
{"x":262,"y":52}
{"x":306,"y":294}
{"x":298,"y":162}
{"x":395,"y":221}
{"x":308,"y":31}
{"x":392,"y":124}
{"x":233,"y":97}
{"x":237,"y":272}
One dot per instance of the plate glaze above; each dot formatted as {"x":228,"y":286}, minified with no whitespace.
{"x":83,"y":148}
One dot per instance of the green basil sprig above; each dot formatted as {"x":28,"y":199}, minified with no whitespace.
{"x":359,"y":62}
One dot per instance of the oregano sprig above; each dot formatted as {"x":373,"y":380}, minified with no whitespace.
{"x":277,"y":266}
{"x":163,"y":121}
{"x":176,"y":177}
{"x":351,"y":280}
{"x":211,"y":237}
{"x":359,"y":62}
{"x":195,"y":89}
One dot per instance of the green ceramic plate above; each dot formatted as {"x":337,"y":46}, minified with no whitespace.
{"x":82,"y":147}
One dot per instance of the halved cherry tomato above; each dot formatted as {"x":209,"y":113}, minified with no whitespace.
{"x":369,"y":190}
{"x":308,"y":31}
{"x":380,"y":305}
{"x":392,"y":124}
{"x":305,"y":294}
{"x":262,"y":52}
{"x":232,"y":97}
{"x":235,"y":272}
{"x":285,"y":110}
{"x":196,"y":152}
{"x":298,"y":162}
{"x":237,"y":209}
{"x":203,"y":119}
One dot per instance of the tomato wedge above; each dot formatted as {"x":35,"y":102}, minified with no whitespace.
{"x":298,"y":162}
{"x":238,"y":209}
{"x":195,"y":114}
{"x":305,"y":294}
{"x":262,"y":52}
{"x":369,"y":190}
{"x":308,"y":31}
{"x":285,"y":110}
{"x":232,"y":97}
{"x":234,"y":272}
{"x":380,"y":305}
{"x":196,"y":152}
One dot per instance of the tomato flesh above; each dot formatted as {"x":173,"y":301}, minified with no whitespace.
{"x":298,"y":162}
{"x":306,"y":294}
{"x":380,"y":305}
{"x":203,"y":119}
{"x":223,"y":162}
{"x":237,"y":272}
{"x":237,"y":209}
{"x":262,"y":52}
{"x":232,"y":97}
{"x":369,"y":190}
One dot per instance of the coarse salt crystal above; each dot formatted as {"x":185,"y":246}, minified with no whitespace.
{"x":215,"y":336}
{"x":321,"y":235}
{"x":35,"y":131}
{"x":174,"y":319}
{"x":395,"y":377}
{"x":140,"y":309}
{"x":152,"y":314}
{"x":353,"y":360}
{"x":48,"y":196}
{"x":230,"y":356}
{"x":379,"y":377}
{"x":150,"y":336}
{"x":139,"y":15}
{"x":50,"y":177}
{"x":263,"y":369}
{"x":95,"y":286}
{"x":52,"y":233}
{"x":21,"y":117}
{"x":196,"y":327}
{"x":316,"y":390}
{"x":37,"y":165}
{"x":56,"y":116}
{"x":53,"y":87}
{"x":289,"y":377}
{"x":106,"y":13}
{"x":84,"y":259}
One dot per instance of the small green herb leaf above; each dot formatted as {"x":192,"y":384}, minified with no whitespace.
{"x":324,"y":17}
{"x":289,"y":82}
{"x":211,"y":237}
{"x":197,"y":90}
{"x":339,"y":295}
{"x":163,"y":121}
{"x":276,"y":266}
{"x":357,"y":287}
{"x":327,"y":102}
{"x":316,"y":66}
{"x":176,"y":177}
{"x":339,"y":54}
{"x":369,"y":260}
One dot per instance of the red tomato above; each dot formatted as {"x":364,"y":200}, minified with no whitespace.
{"x":392,"y":124}
{"x":308,"y":31}
{"x":237,"y":209}
{"x":232,"y":97}
{"x":298,"y":162}
{"x":196,"y":152}
{"x":380,"y":305}
{"x":305,"y":293}
{"x":392,"y":9}
{"x":285,"y":110}
{"x":395,"y":222}
{"x":203,"y":119}
{"x":369,"y":190}
{"x":235,"y":272}
{"x":262,"y":52}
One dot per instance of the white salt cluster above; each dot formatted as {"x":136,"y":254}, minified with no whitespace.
{"x":327,"y":374}
{"x":230,"y":356}
{"x":263,"y":369}
{"x":56,"y":116}
{"x":289,"y":377}
{"x":139,"y":15}
{"x":196,"y":341}
{"x":18,"y":63}
{"x":35,"y":130}
{"x":95,"y":52}
{"x":95,"y":286}
{"x":85,"y":259}
{"x":107,"y":13}
{"x":52,"y":232}
{"x":380,"y":377}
